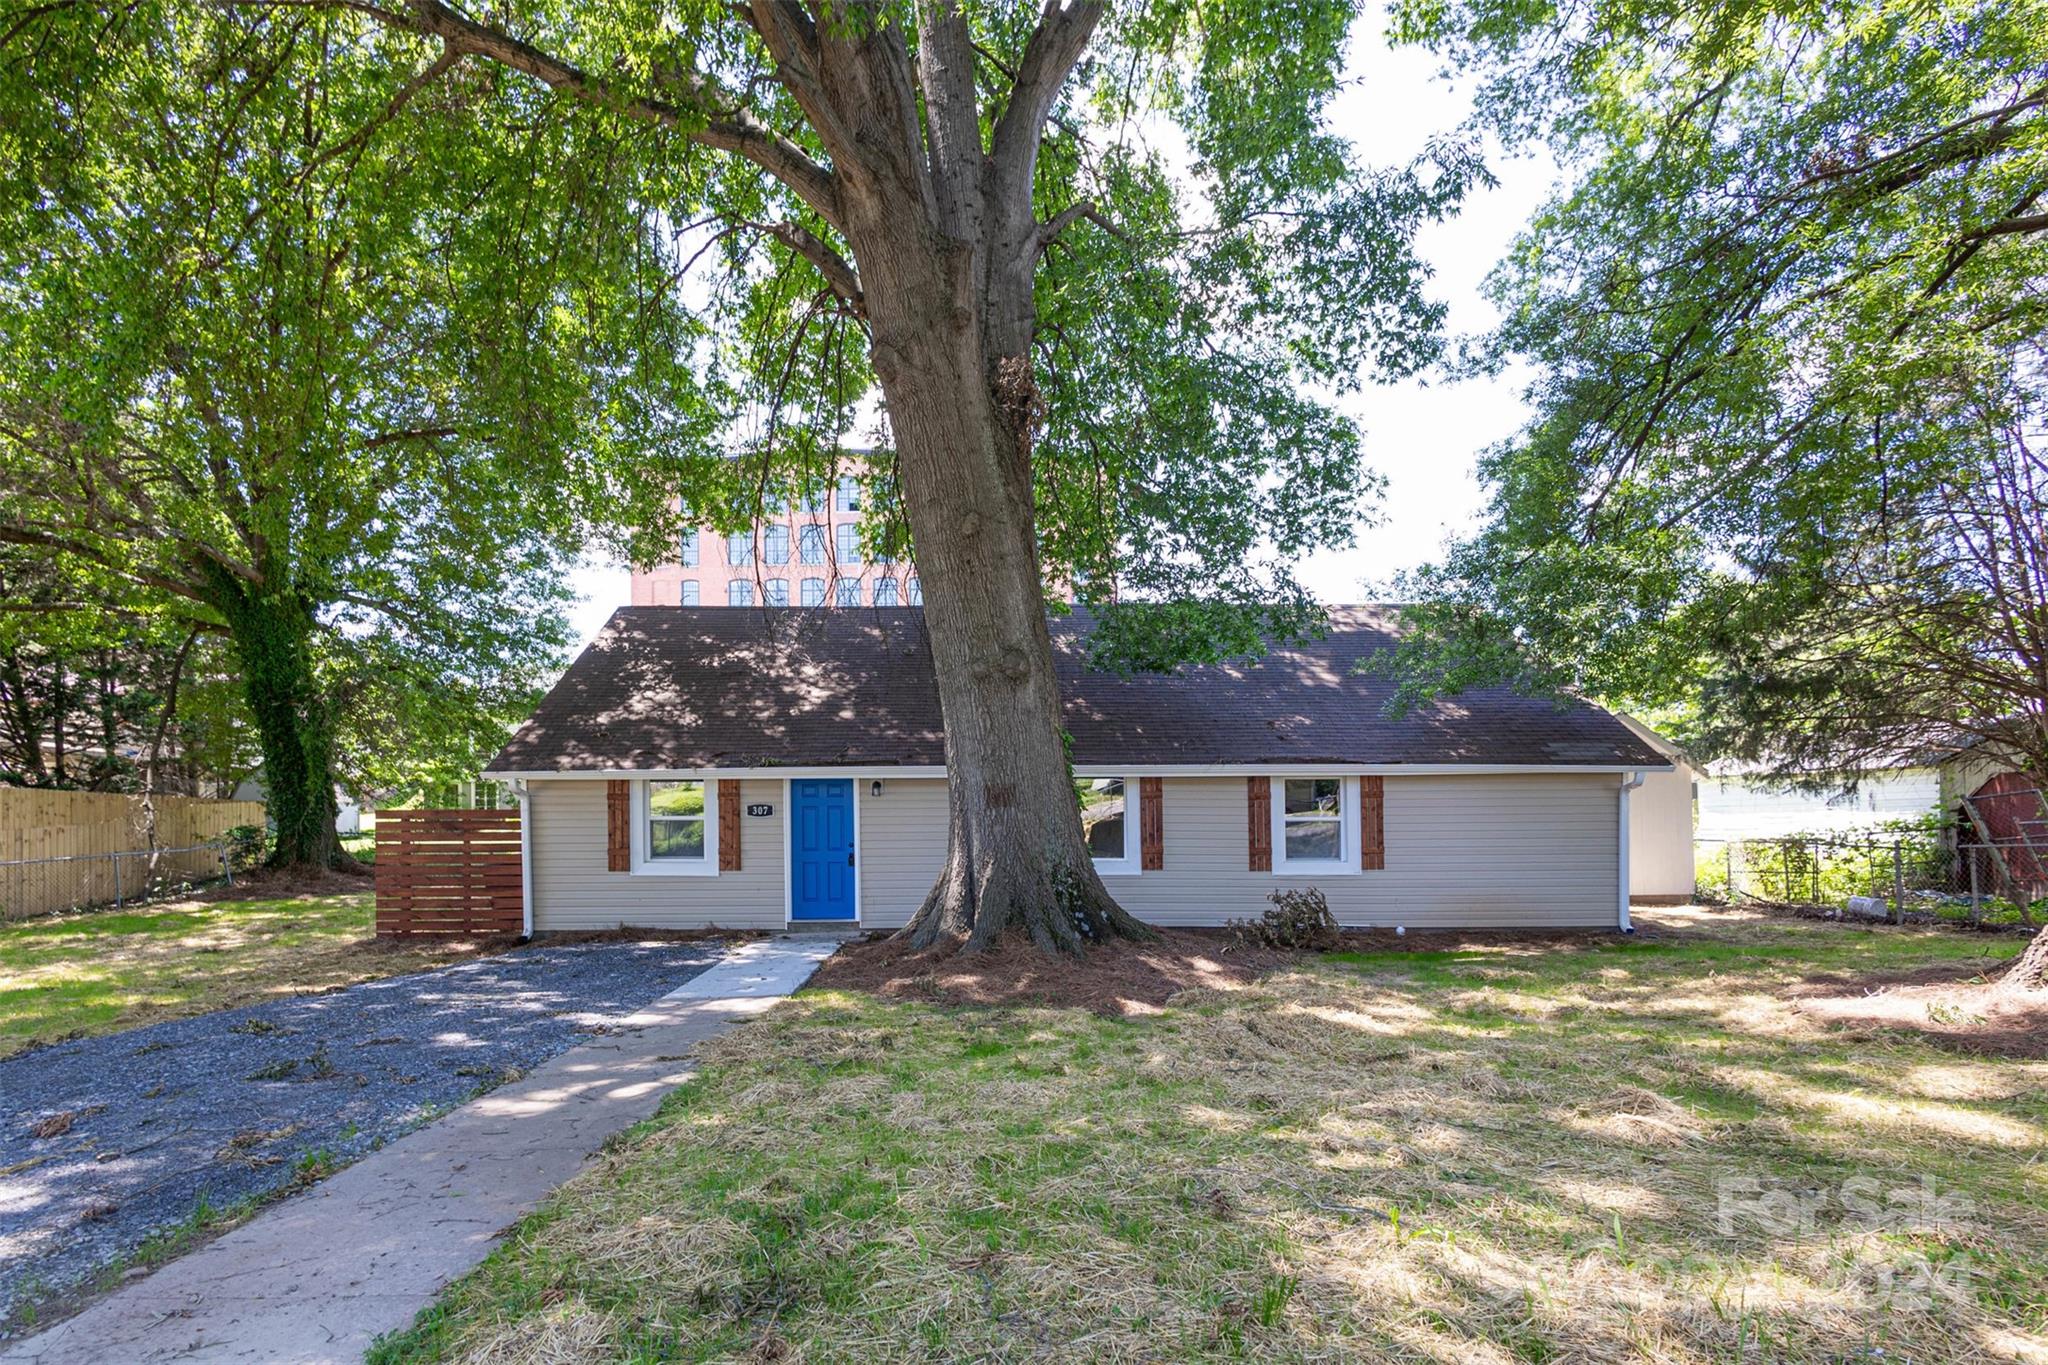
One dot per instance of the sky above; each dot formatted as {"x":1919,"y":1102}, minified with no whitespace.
{"x":1423,"y":434}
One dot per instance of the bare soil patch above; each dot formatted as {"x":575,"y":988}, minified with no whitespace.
{"x":628,"y":934}
{"x":1964,"y":1011}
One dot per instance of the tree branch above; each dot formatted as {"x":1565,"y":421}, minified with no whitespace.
{"x":1067,"y":217}
{"x":416,"y":434}
{"x":450,"y":57}
{"x":792,"y":40}
{"x":2037,"y":222}
{"x":736,"y":130}
{"x":834,"y":267}
{"x":18,"y":535}
{"x":945,"y":70}
{"x":1055,"y":46}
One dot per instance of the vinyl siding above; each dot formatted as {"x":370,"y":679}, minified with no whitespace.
{"x":903,"y":846}
{"x":1483,"y":851}
{"x":572,"y":890}
{"x":1660,"y":859}
{"x":1529,"y":851}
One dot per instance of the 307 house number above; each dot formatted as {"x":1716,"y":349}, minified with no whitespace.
{"x":760,"y":808}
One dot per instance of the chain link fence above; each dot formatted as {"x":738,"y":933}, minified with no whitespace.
{"x":86,"y":881}
{"x":1935,"y":875}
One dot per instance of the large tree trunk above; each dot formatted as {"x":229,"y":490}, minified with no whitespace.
{"x":963,"y":420}
{"x":2029,"y":971}
{"x":272,"y":638}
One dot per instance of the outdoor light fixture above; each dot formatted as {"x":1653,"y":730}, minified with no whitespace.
{"x":875,"y":788}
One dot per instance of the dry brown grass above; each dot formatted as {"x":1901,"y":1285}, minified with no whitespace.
{"x":1495,"y":1154}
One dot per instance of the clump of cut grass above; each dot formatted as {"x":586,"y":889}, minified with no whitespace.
{"x":1299,"y":921}
{"x":1492,"y":1155}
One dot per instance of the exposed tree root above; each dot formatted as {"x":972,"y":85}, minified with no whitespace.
{"x":2029,"y":971}
{"x":1059,"y":907}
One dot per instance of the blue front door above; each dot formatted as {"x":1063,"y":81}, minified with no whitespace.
{"x":821,"y":857}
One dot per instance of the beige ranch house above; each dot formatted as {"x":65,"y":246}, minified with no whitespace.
{"x":767,"y":769}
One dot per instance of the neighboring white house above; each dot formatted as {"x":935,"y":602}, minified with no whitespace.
{"x":757,"y":769}
{"x":1735,"y":803}
{"x":348,"y":815}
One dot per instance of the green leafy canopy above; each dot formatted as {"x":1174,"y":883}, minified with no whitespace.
{"x":273,"y":336}
{"x":312,"y":302}
{"x":1789,"y":305}
{"x":1223,"y":265}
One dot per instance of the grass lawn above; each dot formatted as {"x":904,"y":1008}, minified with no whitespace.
{"x":71,"y":975}
{"x":1609,"y":1150}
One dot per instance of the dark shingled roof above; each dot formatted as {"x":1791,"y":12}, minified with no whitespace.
{"x":736,"y":687}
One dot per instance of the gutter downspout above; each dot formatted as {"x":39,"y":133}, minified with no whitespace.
{"x":525,"y":800}
{"x":1635,"y":780}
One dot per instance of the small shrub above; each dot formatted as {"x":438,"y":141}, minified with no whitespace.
{"x":1299,"y":921}
{"x":245,"y":846}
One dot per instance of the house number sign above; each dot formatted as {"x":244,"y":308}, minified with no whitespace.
{"x":760,"y":808}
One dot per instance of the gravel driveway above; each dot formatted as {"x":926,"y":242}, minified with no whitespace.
{"x":108,"y":1141}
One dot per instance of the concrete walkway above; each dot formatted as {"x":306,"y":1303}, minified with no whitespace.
{"x":321,"y":1276}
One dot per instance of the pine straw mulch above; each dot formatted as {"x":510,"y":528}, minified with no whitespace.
{"x":1118,"y":978}
{"x":1128,"y":978}
{"x":1967,"y":1012}
{"x":268,"y":883}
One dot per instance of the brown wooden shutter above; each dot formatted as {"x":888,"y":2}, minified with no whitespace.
{"x":728,"y":826}
{"x":618,"y":826}
{"x":1372,"y":824}
{"x":1151,"y":825}
{"x":1259,"y":810}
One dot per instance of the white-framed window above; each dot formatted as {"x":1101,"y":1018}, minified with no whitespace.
{"x":674,"y":831}
{"x":739,"y":593}
{"x":810,"y":543}
{"x":848,"y":537}
{"x":1109,"y":823}
{"x":849,"y":493}
{"x":775,"y":544}
{"x":686,"y":593}
{"x":885,"y":593}
{"x":848,"y":593}
{"x":811,"y":592}
{"x":1314,"y":821}
{"x":686,"y":550}
{"x":913,"y":591}
{"x":739,"y":548}
{"x":777,"y":590}
{"x":813,"y":500}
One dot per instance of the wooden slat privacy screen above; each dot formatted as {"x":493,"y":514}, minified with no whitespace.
{"x":1372,"y":824}
{"x":618,"y":826}
{"x":448,"y":872}
{"x":1151,"y":825}
{"x":1259,"y":814}
{"x":728,"y":826}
